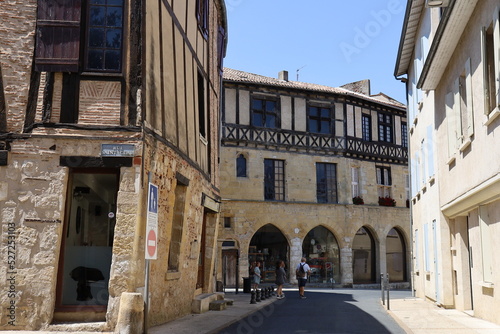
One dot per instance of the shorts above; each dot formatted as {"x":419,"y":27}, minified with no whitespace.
{"x":302,"y":281}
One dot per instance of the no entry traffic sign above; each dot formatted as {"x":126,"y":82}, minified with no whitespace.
{"x":152,"y":223}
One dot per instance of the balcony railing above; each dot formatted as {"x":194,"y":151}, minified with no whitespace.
{"x":287,"y":139}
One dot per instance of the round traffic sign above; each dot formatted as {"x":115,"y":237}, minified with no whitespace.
{"x":151,"y":241}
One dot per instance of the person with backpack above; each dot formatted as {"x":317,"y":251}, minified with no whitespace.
{"x":302,"y":271}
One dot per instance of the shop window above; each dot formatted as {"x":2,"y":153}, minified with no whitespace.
{"x":177,"y":227}
{"x":268,"y":245}
{"x":59,"y":27}
{"x":395,"y":256}
{"x":319,"y":119}
{"x":241,"y":166}
{"x":321,"y":249}
{"x":326,"y":182}
{"x":363,"y":262}
{"x":274,"y":180}
{"x":265,"y":112}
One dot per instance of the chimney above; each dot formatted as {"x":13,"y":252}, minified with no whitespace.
{"x":283,"y":75}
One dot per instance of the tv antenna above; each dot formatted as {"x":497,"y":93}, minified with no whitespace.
{"x":299,"y":70}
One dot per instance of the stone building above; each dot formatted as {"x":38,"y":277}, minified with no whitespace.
{"x":97,"y":100}
{"x":296,"y":158}
{"x":449,"y":59}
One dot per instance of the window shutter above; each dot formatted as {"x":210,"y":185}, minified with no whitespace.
{"x":496,"y":42}
{"x":468,"y":92}
{"x":221,"y":48}
{"x":457,"y":113}
{"x":484,"y":61}
{"x":451,"y":124}
{"x":354,"y":181}
{"x":58,"y":36}
{"x":430,"y":150}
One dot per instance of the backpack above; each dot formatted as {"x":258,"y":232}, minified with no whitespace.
{"x":301,"y":273}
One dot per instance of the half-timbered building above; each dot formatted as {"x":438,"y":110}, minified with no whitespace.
{"x":109,"y":113}
{"x":314,"y":171}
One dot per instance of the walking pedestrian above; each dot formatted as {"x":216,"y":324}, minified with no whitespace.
{"x":302,"y":271}
{"x":280,"y":278}
{"x":256,"y":275}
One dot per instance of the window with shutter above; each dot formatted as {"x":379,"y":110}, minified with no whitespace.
{"x":61,"y":36}
{"x":58,"y":36}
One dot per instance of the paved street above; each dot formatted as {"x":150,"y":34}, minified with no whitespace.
{"x":324,"y":311}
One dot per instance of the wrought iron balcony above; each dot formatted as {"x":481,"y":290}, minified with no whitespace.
{"x":304,"y":141}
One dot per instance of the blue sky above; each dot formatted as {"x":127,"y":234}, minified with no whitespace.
{"x":330,"y":42}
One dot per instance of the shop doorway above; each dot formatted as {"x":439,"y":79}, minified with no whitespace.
{"x":321,"y":250}
{"x":396,"y":256}
{"x":86,"y":252}
{"x":268,"y":245}
{"x":363,"y":261}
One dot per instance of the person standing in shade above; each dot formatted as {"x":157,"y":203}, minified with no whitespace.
{"x":280,"y":278}
{"x":302,"y":271}
{"x":256,"y":275}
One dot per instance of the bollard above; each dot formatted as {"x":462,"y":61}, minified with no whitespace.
{"x":252,"y":298}
{"x":257,"y":295}
{"x":388,"y":288}
{"x":269,"y":292}
{"x":263,"y":294}
{"x":382,"y":288}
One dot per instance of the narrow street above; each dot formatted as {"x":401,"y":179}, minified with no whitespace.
{"x":323,"y":311}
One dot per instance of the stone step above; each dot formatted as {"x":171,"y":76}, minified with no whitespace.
{"x":218,"y":305}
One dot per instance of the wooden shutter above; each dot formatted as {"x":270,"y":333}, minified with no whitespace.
{"x":457,"y":113}
{"x":496,"y":48}
{"x":221,"y":48}
{"x":451,"y":124}
{"x":58,"y":36}
{"x":468,"y":92}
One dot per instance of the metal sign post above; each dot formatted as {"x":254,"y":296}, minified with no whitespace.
{"x":151,"y":247}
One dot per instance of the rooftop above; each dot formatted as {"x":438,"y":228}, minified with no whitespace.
{"x":231,"y":75}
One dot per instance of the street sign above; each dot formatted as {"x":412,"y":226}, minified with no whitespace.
{"x":152,"y":223}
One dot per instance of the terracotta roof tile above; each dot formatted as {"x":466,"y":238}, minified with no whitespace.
{"x":232,"y":75}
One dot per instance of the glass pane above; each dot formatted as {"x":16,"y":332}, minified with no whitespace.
{"x":270,"y":106}
{"x":114,"y":38}
{"x":313,"y":125}
{"x":97,"y":15}
{"x":96,"y":37}
{"x":325,"y":127}
{"x":115,"y":2}
{"x":257,"y":119}
{"x":325,"y":112}
{"x":322,"y":251}
{"x":313,"y":111}
{"x":114,"y":17}
{"x":96,"y":59}
{"x":97,"y":2}
{"x":270,"y":121}
{"x":241,"y":166}
{"x":256,"y":104}
{"x":113,"y":60}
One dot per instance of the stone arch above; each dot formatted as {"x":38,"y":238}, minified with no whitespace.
{"x":396,"y":258}
{"x":364,"y":256}
{"x":268,"y":245}
{"x":322,"y":250}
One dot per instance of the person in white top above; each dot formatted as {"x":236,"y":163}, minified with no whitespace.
{"x":302,"y":271}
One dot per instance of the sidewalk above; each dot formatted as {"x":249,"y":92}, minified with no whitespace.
{"x":414,"y":315}
{"x":212,"y":322}
{"x":417,"y":316}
